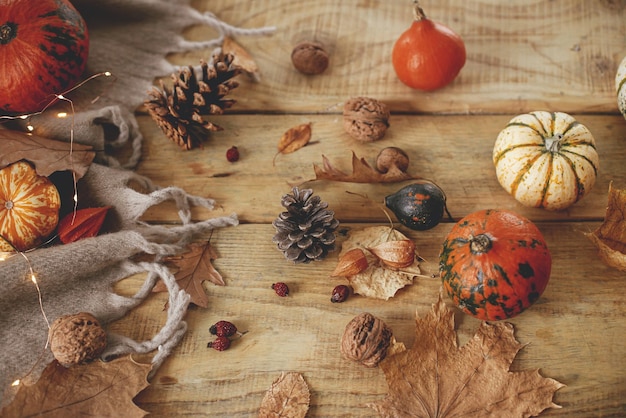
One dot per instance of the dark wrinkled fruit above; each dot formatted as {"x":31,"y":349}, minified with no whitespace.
{"x":419,"y":206}
{"x":340,"y":293}
{"x":220,"y":344}
{"x":281,"y":289}
{"x":223,"y":329}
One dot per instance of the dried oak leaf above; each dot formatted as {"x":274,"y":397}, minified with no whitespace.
{"x":242,"y":58}
{"x":194,"y":267}
{"x":610,"y":237}
{"x":294,"y":138}
{"x":94,"y":389}
{"x":287,"y":397}
{"x":437,"y":378}
{"x":47,"y":155}
{"x":378,"y":280}
{"x":362,"y":172}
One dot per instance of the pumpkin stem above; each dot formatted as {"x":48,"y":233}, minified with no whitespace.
{"x":553,"y":144}
{"x":418,"y":12}
{"x":480,"y":244}
{"x":8,"y":31}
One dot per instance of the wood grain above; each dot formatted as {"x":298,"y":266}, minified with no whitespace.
{"x":574,"y":333}
{"x":521,"y":56}
{"x":439,"y":148}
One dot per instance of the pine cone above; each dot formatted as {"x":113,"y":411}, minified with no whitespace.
{"x":306,"y":231}
{"x":178,"y":111}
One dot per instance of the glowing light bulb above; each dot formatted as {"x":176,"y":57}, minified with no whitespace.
{"x":30,"y":128}
{"x":15,"y":382}
{"x":107,"y":74}
{"x":33,"y":278}
{"x":60,"y":97}
{"x":62,"y":115}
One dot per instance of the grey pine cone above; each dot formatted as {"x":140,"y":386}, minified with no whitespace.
{"x":305,"y":232}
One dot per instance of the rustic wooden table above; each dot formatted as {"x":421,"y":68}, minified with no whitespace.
{"x":522,"y":56}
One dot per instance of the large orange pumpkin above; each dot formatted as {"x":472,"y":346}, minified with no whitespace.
{"x":29,"y":207}
{"x":44,"y":45}
{"x":494,"y":264}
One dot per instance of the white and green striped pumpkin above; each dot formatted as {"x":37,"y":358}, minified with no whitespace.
{"x":620,"y":87}
{"x":546,"y":159}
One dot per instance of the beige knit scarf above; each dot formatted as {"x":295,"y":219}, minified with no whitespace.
{"x":129,"y":38}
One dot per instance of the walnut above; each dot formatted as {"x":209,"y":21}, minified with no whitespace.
{"x":310,"y":58}
{"x":366,"y":340}
{"x":76,"y":338}
{"x":390,"y":156}
{"x":365,"y":119}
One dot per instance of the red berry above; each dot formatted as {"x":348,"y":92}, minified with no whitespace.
{"x":223,"y":329}
{"x":340,"y":293}
{"x":232,"y":154}
{"x":281,"y":289}
{"x":220,"y":344}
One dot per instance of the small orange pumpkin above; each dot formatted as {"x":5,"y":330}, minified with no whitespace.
{"x":29,"y":207}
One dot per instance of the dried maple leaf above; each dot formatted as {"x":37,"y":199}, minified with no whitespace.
{"x":194,"y":267}
{"x":294,"y":138}
{"x":95,"y":389}
{"x":378,"y":280}
{"x":362,"y":172}
{"x":242,"y":58}
{"x":287,"y":397}
{"x":436,"y":378}
{"x":47,"y":155}
{"x":610,"y":237}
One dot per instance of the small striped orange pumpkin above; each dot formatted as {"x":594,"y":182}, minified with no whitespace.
{"x":546,"y":159}
{"x":29,"y":207}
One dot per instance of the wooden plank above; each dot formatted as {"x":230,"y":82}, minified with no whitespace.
{"x":553,"y":55}
{"x":453,"y":151}
{"x":574,"y":333}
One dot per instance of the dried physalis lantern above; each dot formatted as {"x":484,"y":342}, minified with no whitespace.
{"x":396,"y":254}
{"x":76,"y":339}
{"x":29,"y":207}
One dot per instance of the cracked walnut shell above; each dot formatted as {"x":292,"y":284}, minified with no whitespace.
{"x":366,"y":340}
{"x":365,"y":119}
{"x":76,"y":339}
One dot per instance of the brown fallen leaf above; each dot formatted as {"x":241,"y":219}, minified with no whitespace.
{"x":610,"y":237}
{"x":378,"y":280}
{"x":362,"y":172}
{"x":242,"y":59}
{"x":194,"y":267}
{"x":94,"y":389}
{"x":294,"y":138}
{"x":47,"y":155}
{"x":287,"y":397}
{"x":437,"y":378}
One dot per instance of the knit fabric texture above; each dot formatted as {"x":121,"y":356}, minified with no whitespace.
{"x":130,"y":39}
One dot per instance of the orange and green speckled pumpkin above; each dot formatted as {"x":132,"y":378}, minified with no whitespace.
{"x":494,"y":264}
{"x":29,"y":207}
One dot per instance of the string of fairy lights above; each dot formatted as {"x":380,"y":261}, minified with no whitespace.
{"x":32,"y":276}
